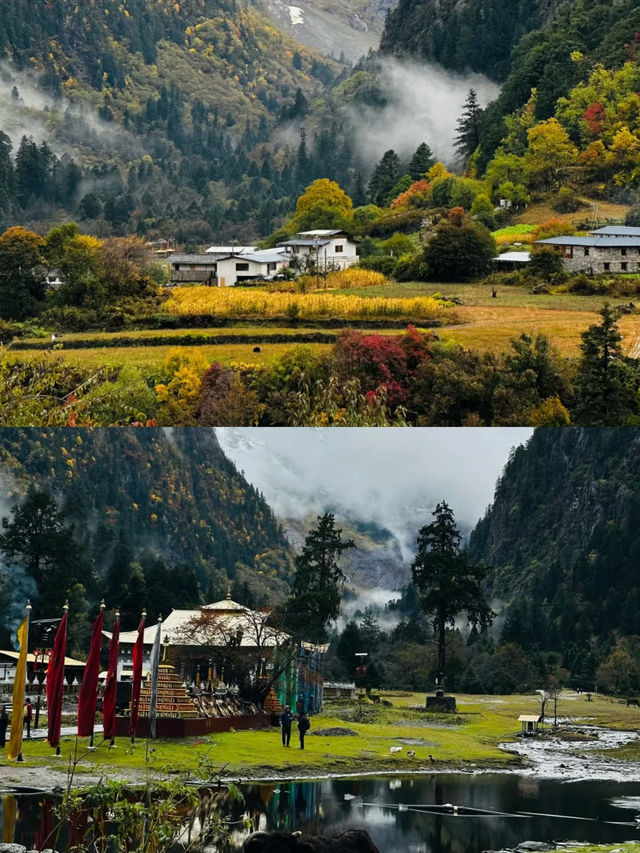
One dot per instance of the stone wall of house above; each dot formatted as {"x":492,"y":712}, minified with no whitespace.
{"x":602,"y":260}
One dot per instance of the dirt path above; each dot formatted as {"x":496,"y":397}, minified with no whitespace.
{"x":31,"y":775}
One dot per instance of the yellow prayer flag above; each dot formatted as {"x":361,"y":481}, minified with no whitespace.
{"x":15,"y":740}
{"x":9,"y":808}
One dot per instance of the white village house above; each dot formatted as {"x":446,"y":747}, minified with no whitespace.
{"x":327,"y":249}
{"x":612,"y":249}
{"x":225,"y":266}
{"x":225,"y":270}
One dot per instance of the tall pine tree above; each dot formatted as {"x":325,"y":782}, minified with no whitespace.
{"x":421,"y":161}
{"x":317,"y":586}
{"x":448,"y":584}
{"x":468,"y":128}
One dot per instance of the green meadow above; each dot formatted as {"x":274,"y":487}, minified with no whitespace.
{"x":469,"y":738}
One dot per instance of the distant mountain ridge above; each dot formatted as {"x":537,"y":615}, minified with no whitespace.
{"x":376,"y":562}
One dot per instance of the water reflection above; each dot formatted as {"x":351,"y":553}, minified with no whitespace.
{"x":29,"y":819}
{"x":401,"y":813}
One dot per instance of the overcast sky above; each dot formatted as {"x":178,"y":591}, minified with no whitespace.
{"x":381,"y":475}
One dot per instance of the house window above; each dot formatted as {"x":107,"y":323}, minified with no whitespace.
{"x":623,"y":252}
{"x":567,"y":251}
{"x":586,"y":251}
{"x":623,"y":266}
{"x":607,"y":266}
{"x":338,"y":249}
{"x":244,"y":267}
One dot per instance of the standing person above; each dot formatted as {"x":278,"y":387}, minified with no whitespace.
{"x":303,"y":727}
{"x":4,"y":722}
{"x":286,"y":718}
{"x":28,"y":714}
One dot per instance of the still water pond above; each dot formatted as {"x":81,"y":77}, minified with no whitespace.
{"x":401,"y":813}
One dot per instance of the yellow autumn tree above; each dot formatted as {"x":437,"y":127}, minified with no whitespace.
{"x":76,"y":256}
{"x":549,"y":154}
{"x":324,"y":204}
{"x":624,"y":156}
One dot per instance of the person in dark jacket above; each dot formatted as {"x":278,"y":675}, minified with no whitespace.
{"x":286,"y":718}
{"x":303,"y":727}
{"x":4,"y":722}
{"x":28,"y":715}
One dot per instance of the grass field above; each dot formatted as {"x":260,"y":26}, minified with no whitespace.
{"x":480,"y":322}
{"x":537,"y":214}
{"x":240,"y":331}
{"x":153,"y":357}
{"x":469,"y":737}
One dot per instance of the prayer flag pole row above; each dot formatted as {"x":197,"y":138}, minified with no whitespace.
{"x":88,"y":694}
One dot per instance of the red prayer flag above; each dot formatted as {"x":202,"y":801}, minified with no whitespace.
{"x":109,"y":695}
{"x":88,"y":695}
{"x":55,"y":682}
{"x":138,"y":650}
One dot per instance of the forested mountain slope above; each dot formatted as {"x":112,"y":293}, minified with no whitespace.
{"x":546,"y":46}
{"x":564,"y":538}
{"x":463,"y":35}
{"x":162,"y":510}
{"x":188,"y":94}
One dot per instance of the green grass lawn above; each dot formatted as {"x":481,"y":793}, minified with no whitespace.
{"x":470,"y":737}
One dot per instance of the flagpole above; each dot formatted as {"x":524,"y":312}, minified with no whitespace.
{"x":138,"y":655}
{"x":55,"y":681}
{"x":88,"y":693}
{"x":15,"y":740}
{"x":155,"y":663}
{"x":110,"y":687}
{"x":102,"y":609}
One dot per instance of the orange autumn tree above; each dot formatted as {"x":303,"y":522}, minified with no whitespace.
{"x":419,"y":190}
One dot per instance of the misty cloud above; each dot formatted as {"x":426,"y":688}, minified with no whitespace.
{"x":67,"y":127}
{"x":20,"y":588}
{"x":424,"y":105}
{"x":392,"y":477}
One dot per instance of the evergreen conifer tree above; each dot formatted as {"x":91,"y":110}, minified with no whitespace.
{"x":384,"y":178}
{"x":606,"y":386}
{"x":448,"y":584}
{"x":317,"y":586}
{"x":468,"y":129}
{"x":421,"y":161}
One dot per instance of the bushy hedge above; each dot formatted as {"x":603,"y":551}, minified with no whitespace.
{"x":181,"y":340}
{"x":404,"y":222}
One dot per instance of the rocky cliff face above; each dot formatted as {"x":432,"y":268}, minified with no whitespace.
{"x":375,"y":563}
{"x":350,"y":28}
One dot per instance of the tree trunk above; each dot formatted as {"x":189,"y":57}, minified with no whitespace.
{"x":441,"y":647}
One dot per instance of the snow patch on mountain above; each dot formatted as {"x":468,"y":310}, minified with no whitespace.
{"x":297,"y":15}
